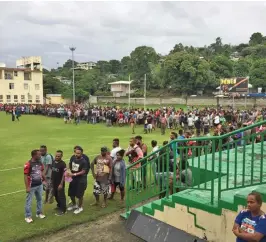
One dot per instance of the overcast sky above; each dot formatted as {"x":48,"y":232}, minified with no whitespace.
{"x":111,"y":30}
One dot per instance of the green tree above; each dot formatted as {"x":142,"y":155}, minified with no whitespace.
{"x":206,"y":52}
{"x":240,"y":47}
{"x":115,"y":66}
{"x":256,"y":39}
{"x":45,"y":71}
{"x":217,"y":47}
{"x":68,"y":64}
{"x":177,"y":48}
{"x":186,"y":73}
{"x":258,"y":51}
{"x":126,"y":65}
{"x":258,"y":73}
{"x":141,"y":58}
{"x":222,"y":67}
{"x":242,"y":67}
{"x":156,"y":77}
{"x":51,"y":85}
{"x":104,"y":66}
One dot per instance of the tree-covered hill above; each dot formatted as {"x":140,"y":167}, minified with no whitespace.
{"x":184,"y":71}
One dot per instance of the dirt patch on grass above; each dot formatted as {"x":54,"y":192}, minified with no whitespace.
{"x":109,"y":228}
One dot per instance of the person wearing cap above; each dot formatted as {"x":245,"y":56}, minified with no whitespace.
{"x":102,"y":175}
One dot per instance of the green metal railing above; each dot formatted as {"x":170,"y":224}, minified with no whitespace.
{"x":215,"y":164}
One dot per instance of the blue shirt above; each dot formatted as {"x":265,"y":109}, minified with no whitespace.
{"x":251,"y":224}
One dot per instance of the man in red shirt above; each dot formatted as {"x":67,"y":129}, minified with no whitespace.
{"x":34,"y":178}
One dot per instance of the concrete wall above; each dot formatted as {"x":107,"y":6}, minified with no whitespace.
{"x":191,"y":101}
{"x":218,"y":228}
{"x":50,"y":99}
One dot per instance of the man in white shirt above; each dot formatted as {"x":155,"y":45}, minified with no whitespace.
{"x":115,"y":149}
{"x":155,"y":147}
{"x":190,"y":121}
{"x":206,"y":123}
{"x":217,"y":119}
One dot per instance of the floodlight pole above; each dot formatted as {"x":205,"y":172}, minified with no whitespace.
{"x":73,"y":71}
{"x":129,"y":92}
{"x":145,"y":81}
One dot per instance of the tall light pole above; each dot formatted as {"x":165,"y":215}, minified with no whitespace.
{"x":145,"y":81}
{"x":129,"y":92}
{"x":73,"y":80}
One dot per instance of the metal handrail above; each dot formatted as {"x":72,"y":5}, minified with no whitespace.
{"x":205,"y":138}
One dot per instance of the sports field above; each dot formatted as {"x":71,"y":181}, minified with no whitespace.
{"x":19,"y":138}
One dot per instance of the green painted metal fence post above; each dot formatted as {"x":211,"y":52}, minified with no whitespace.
{"x":213,"y":160}
{"x":167,"y":170}
{"x":127,"y":190}
{"x":174,"y":165}
{"x":220,"y":167}
{"x":262,"y":156}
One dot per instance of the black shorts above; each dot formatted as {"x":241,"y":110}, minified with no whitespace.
{"x":118,"y":184}
{"x":77,"y":188}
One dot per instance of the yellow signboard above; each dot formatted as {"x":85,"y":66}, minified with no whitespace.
{"x":228,"y":81}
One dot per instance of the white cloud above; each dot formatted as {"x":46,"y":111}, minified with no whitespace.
{"x":111,"y":30}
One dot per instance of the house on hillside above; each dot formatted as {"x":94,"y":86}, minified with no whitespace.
{"x":120,"y":88}
{"x":85,"y":66}
{"x":235,"y":56}
{"x":63,"y":80}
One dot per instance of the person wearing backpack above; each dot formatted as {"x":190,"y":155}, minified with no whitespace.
{"x":34,"y":179}
{"x":47,"y":161}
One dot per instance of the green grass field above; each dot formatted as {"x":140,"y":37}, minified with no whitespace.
{"x":17,"y":141}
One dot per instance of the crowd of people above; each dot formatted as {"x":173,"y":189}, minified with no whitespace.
{"x":50,"y":173}
{"x":45,"y":172}
{"x":108,"y":170}
{"x":200,"y":120}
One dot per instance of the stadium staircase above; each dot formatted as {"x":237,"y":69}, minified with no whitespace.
{"x":225,"y":170}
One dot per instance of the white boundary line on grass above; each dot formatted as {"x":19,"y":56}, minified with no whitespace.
{"x":15,"y":168}
{"x":11,"y":193}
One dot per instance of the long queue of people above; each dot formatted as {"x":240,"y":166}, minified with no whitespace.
{"x":201,"y":120}
{"x":50,"y":173}
{"x":45,"y":172}
{"x":250,"y":223}
{"x":108,"y":170}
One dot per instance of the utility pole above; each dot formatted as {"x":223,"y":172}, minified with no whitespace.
{"x":129,"y":90}
{"x":145,"y":91}
{"x":73,"y":80}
